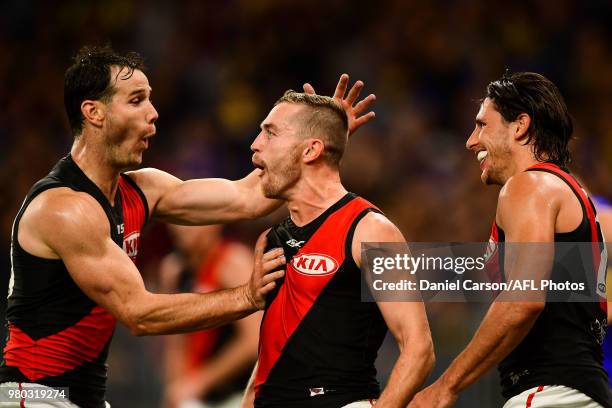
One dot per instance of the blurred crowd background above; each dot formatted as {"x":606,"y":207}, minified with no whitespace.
{"x":216,"y":68}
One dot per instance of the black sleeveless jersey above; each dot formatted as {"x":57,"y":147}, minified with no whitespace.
{"x":564,"y":347}
{"x":57,"y":336}
{"x":318,"y":341}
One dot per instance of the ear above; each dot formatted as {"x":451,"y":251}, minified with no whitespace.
{"x":313,"y":150}
{"x":522,"y":123}
{"x":94,"y":112}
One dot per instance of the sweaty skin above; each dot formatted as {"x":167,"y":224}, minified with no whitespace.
{"x":532,"y":207}
{"x":64,"y":224}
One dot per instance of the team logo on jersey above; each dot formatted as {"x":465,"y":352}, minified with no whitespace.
{"x":130,"y":244}
{"x":294,"y":243}
{"x":314,"y":264}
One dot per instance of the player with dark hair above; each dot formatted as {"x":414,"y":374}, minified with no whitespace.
{"x":318,"y":340}
{"x":76,"y":236}
{"x":549,"y":353}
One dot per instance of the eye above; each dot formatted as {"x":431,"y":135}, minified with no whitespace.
{"x":136,"y":101}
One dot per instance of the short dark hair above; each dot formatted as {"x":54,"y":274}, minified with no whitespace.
{"x":89,"y":77}
{"x":551,"y":125}
{"x":325,"y":117}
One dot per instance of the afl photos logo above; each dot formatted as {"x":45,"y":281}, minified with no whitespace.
{"x":314,"y":264}
{"x":130,"y":244}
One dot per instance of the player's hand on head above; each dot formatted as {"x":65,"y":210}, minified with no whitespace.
{"x":354,"y":111}
{"x":265,"y":272}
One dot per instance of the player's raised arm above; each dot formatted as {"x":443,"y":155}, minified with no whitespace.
{"x":407,"y":321}
{"x":74,"y":227}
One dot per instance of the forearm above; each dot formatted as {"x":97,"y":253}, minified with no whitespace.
{"x":214,"y":201}
{"x":503,"y":328}
{"x":186,"y":312}
{"x":408,"y":375}
{"x":255,"y":204}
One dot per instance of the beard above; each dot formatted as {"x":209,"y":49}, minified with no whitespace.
{"x":499,"y":169}
{"x":118,"y":155}
{"x":277,"y":181}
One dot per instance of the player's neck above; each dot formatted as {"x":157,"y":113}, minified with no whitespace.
{"x":521,"y":162}
{"x":311,"y":196}
{"x":92,"y":162}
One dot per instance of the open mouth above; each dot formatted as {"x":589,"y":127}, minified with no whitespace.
{"x":481,"y":156}
{"x":259,"y":166}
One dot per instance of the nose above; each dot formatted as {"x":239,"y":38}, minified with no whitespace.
{"x":152,"y":115}
{"x":256,"y":145}
{"x":472,"y":141}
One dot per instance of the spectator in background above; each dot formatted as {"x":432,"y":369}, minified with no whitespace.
{"x":208,"y":368}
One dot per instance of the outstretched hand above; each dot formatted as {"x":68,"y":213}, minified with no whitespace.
{"x":353,"y":110}
{"x":265,"y":272}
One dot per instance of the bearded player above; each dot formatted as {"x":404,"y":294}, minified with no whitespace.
{"x":549,"y":353}
{"x":76,"y":237}
{"x":318,"y":341}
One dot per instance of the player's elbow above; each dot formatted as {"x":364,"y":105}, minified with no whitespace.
{"x":136,"y":320}
{"x":139,"y":329}
{"x":136,"y":326}
{"x":429,"y":356}
{"x":421,"y":350}
{"x":522,"y":314}
{"x":529,"y":310}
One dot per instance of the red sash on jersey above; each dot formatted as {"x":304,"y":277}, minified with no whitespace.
{"x":307,"y":274}
{"x":84,"y":341}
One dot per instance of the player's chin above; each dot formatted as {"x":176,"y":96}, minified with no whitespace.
{"x":484,"y":178}
{"x":270,"y":191}
{"x":134,"y":161}
{"x":490,"y":179}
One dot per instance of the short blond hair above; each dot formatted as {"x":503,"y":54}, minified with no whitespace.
{"x":324,"y":117}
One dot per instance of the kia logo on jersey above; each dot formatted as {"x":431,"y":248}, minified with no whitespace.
{"x":130,"y":244}
{"x":314,"y":264}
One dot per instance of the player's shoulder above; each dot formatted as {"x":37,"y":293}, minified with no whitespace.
{"x":62,"y":209}
{"x":150,"y":176}
{"x":376,"y":227}
{"x":153,"y":182}
{"x":532,"y":185}
{"x":531,"y":193}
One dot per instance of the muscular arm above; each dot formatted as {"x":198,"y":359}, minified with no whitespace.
{"x":74,"y":227}
{"x":527,"y":212}
{"x":407,"y":321}
{"x":216,"y":201}
{"x":203,"y":201}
